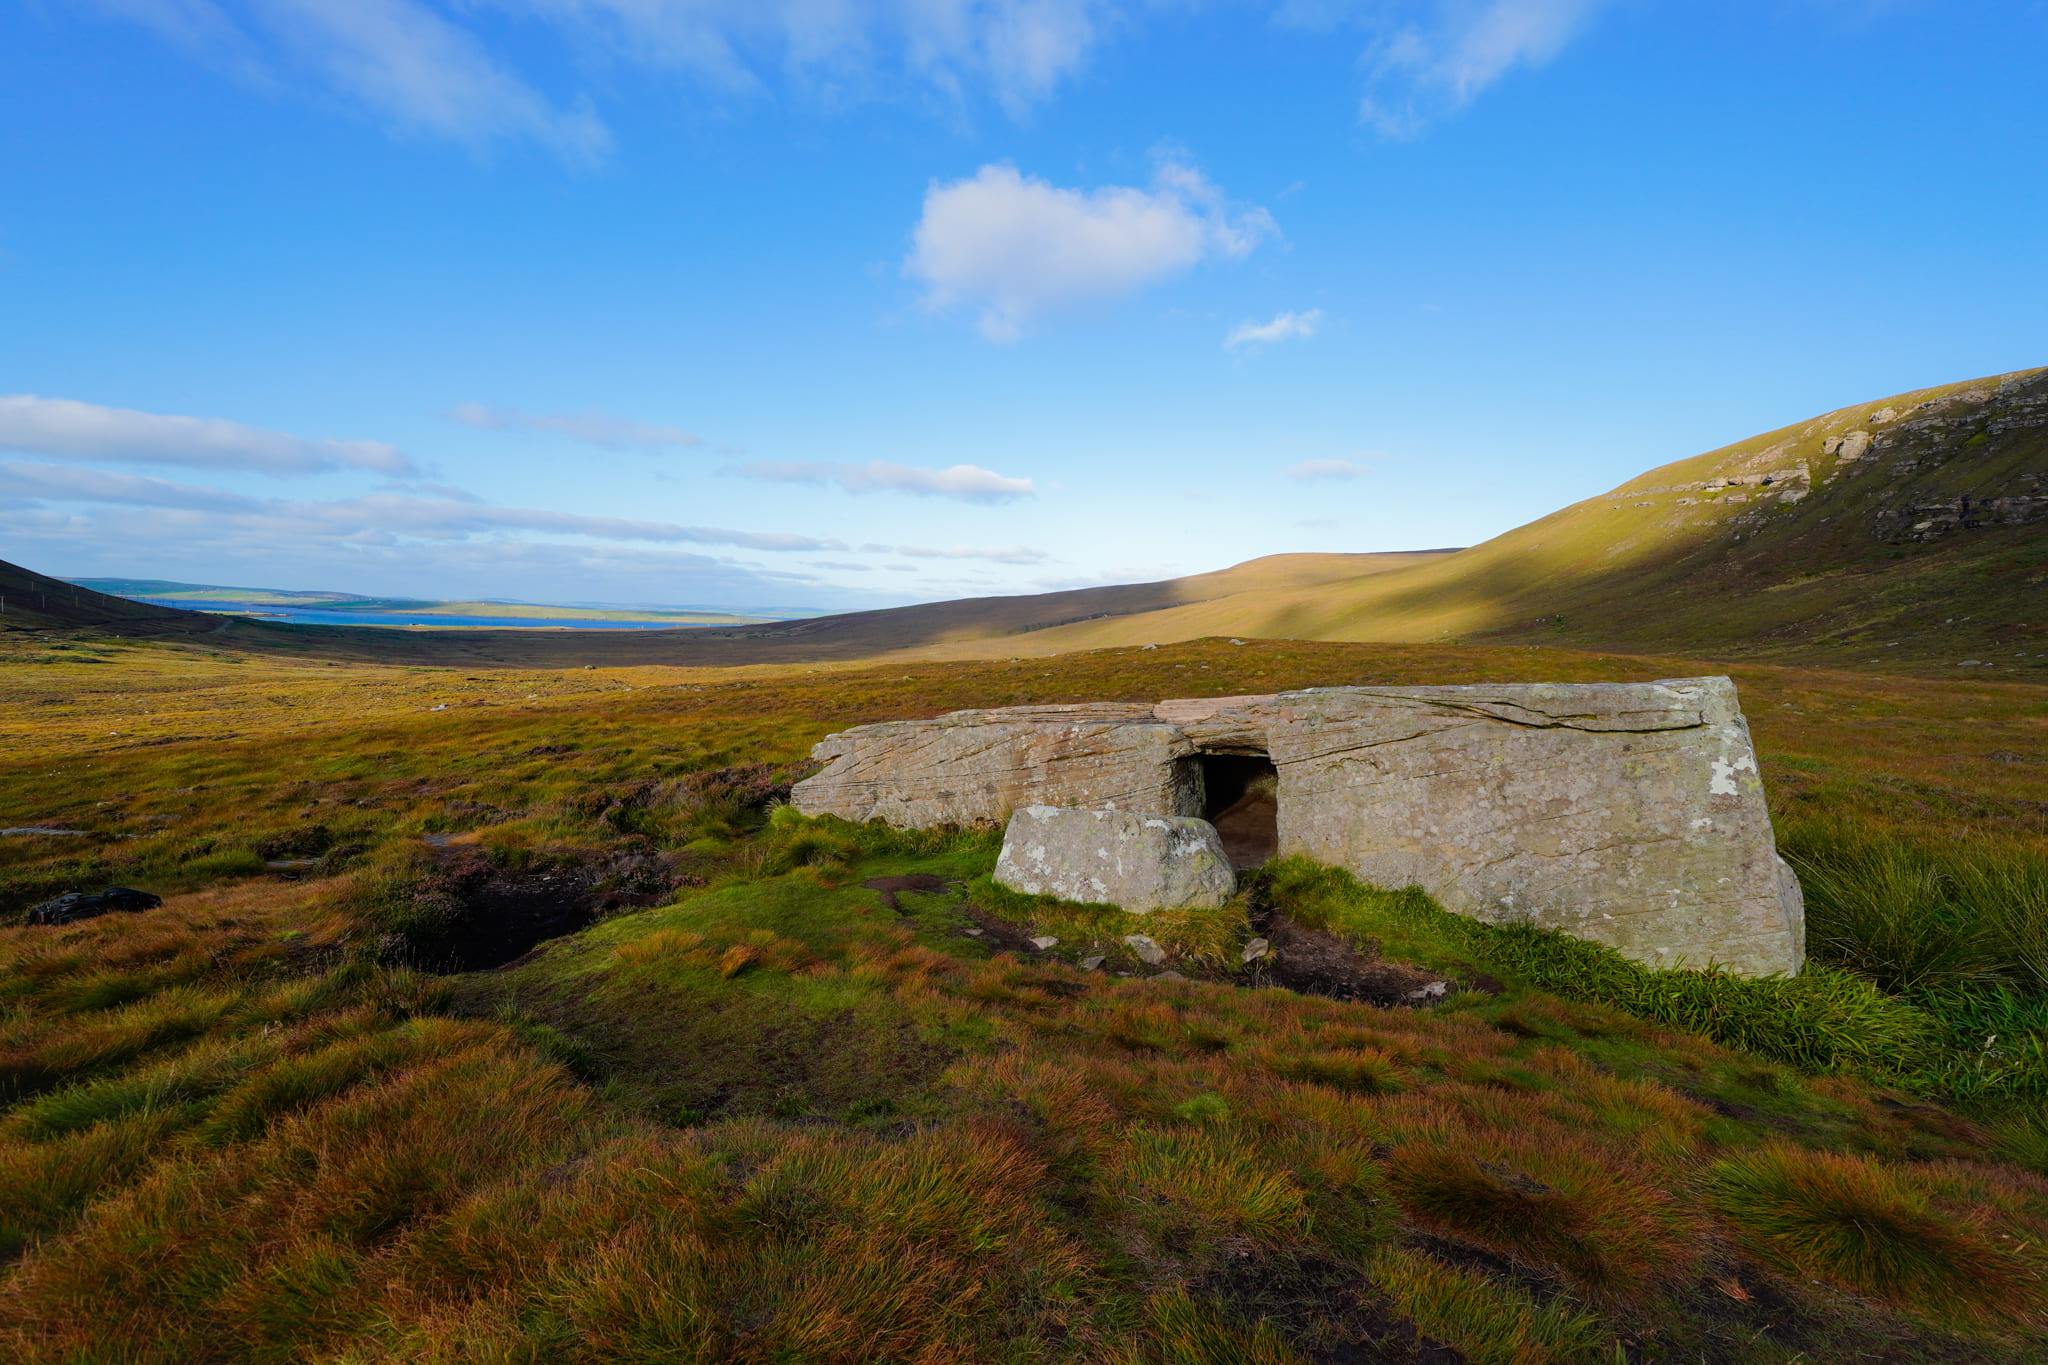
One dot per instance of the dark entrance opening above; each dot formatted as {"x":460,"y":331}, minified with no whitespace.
{"x":1243,"y":801}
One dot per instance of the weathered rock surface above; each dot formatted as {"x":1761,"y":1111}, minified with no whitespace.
{"x":1627,"y":813}
{"x":980,"y":766}
{"x":1137,"y":862}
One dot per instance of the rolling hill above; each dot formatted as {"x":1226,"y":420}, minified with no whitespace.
{"x":926,"y":628}
{"x":1906,"y":531}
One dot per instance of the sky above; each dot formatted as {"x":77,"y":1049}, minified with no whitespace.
{"x":838,"y":303}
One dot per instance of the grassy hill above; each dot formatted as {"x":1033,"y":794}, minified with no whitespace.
{"x":857,"y":635}
{"x":1907,"y":530}
{"x":31,"y":601}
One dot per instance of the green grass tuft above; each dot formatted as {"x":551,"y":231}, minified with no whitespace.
{"x":1863,"y":1226}
{"x":1487,"y":1320}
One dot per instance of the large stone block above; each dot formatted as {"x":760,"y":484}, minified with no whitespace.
{"x":1627,"y":813}
{"x":1138,"y":862}
{"x":976,"y":767}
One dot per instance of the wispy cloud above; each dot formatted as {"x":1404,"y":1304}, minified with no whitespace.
{"x":1003,"y":554}
{"x":374,"y":517}
{"x":1283,"y":326}
{"x":414,"y":69}
{"x":966,"y":482}
{"x":64,"y":429}
{"x":1326,"y":469}
{"x":418,"y":71}
{"x":1424,"y":68}
{"x":593,"y":428}
{"x":426,"y":69}
{"x":1017,"y":247}
{"x":1019,"y":51}
{"x":444,"y":70}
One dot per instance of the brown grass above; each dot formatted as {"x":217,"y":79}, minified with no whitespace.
{"x":234,"y":1137}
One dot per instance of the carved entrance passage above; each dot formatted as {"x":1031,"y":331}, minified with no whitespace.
{"x":1241,"y":797}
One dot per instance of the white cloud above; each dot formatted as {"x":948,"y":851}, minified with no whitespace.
{"x":1423,"y":70}
{"x":441,"y":69}
{"x":1327,"y":469}
{"x":123,"y":542}
{"x":419,"y":71}
{"x":1283,"y":326}
{"x":1019,"y":49}
{"x":1017,"y":247}
{"x":1006,"y":554}
{"x":413,"y":68}
{"x":375,"y":517}
{"x":64,"y":429}
{"x":968,"y":483}
{"x":593,"y":428}
{"x":422,"y":68}
{"x":198,"y":26}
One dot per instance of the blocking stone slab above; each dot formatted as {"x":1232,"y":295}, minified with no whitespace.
{"x":1136,"y":862}
{"x":1631,"y":814}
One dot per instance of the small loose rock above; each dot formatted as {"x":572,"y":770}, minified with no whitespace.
{"x":1149,"y":953}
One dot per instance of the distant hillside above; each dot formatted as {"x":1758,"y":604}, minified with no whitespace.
{"x":1917,"y":518}
{"x":971,"y":622}
{"x":1907,"y":531}
{"x":34,"y":601}
{"x":201,"y":593}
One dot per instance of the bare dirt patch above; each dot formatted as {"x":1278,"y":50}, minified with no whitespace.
{"x":1317,"y":962}
{"x":924,"y":883}
{"x":497,"y":915}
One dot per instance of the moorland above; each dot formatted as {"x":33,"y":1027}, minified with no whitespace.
{"x":780,"y":1089}
{"x":499,"y":1008}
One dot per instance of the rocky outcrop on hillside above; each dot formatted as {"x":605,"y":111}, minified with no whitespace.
{"x":1942,"y":466}
{"x":1911,"y":471}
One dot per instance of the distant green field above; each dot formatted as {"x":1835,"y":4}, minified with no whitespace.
{"x":552,"y":613}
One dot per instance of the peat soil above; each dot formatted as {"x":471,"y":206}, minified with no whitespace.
{"x":1297,"y":958}
{"x":494,"y":916}
{"x":1318,"y":962}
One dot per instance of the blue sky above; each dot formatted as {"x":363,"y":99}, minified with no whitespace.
{"x":834,"y":302}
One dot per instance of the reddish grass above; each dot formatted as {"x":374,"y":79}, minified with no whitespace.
{"x":1556,"y":1202}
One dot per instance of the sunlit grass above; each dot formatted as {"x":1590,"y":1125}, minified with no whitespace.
{"x":768,"y":1118}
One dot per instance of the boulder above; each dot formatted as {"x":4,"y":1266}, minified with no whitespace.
{"x":1628,"y":813}
{"x":1137,"y":862}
